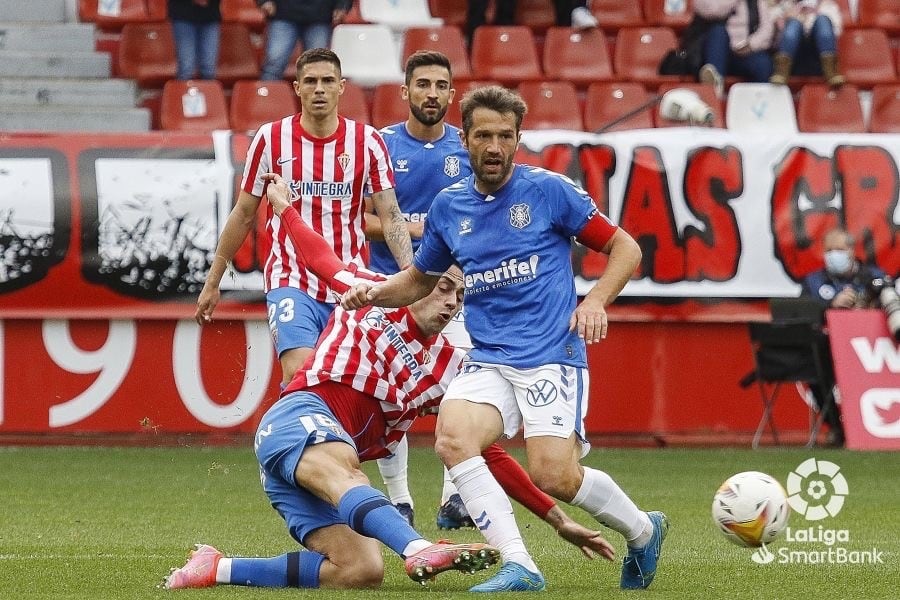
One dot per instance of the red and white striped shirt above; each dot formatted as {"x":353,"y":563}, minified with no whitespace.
{"x":329,"y":178}
{"x":381,"y":353}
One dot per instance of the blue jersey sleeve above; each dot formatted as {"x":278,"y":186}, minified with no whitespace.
{"x":572,"y":207}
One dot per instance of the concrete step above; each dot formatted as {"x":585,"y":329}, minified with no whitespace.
{"x":65,"y":64}
{"x":46,"y":37}
{"x":57,"y":118}
{"x":44,"y":11}
{"x":68,"y":92}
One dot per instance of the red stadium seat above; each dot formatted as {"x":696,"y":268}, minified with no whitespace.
{"x":353,"y":103}
{"x":639,"y":51}
{"x":615,"y":14}
{"x":655,"y":14}
{"x":885,"y":117}
{"x":575,"y":55}
{"x":881,"y":14}
{"x":864,"y":57}
{"x":551,"y":105}
{"x":245,"y":12}
{"x":197,"y":106}
{"x":537,"y":15}
{"x":607,"y":102}
{"x":256,"y":102}
{"x":505,"y":53}
{"x":237,"y":56}
{"x":453,"y":12}
{"x":821,"y":109}
{"x":129,"y":11}
{"x":147,"y":53}
{"x":448,"y":39}
{"x":387,"y":105}
{"x":706,"y":93}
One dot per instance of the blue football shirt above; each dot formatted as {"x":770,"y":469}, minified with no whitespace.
{"x":514,"y":247}
{"x":421,"y":170}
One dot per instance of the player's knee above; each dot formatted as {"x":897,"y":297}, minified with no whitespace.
{"x":365,"y":571}
{"x":453,"y":449}
{"x":560,"y":481}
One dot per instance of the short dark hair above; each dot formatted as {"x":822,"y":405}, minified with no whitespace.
{"x":314,"y":55}
{"x":426,"y":58}
{"x":493,"y":97}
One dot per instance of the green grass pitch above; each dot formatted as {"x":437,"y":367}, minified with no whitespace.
{"x":109,"y":522}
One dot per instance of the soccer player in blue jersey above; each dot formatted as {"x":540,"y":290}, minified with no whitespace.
{"x":509,"y":227}
{"x":427,"y":155}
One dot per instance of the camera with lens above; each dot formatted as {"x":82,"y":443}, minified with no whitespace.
{"x":884,"y":289}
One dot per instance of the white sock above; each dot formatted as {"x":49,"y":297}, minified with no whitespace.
{"x":415,"y":546}
{"x":491,"y":510}
{"x":223,"y":570}
{"x":394,"y":473}
{"x":449,"y":489}
{"x":604,"y":500}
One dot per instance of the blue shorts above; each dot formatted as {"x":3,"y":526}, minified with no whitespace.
{"x":296,"y":421}
{"x":295,"y":319}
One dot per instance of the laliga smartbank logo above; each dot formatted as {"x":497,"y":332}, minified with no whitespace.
{"x":817,"y":490}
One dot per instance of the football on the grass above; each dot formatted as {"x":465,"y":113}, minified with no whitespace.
{"x":751,"y":509}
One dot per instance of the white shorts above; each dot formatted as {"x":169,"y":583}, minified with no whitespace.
{"x":548,"y":400}
{"x":456,"y":332}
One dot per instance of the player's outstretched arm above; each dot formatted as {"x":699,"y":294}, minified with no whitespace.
{"x":400,"y":289}
{"x":518,"y":485}
{"x":312,"y":250}
{"x":238,"y":225}
{"x":589,"y":318}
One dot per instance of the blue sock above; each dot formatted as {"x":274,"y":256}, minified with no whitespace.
{"x":294,"y":569}
{"x":368,"y":512}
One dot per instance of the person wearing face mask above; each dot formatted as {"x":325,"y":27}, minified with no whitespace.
{"x":843,"y":283}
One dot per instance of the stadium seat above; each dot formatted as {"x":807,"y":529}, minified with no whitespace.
{"x":454,"y":116}
{"x":639,"y":51}
{"x":113,"y":17}
{"x":387,"y":105}
{"x":147,"y":53}
{"x":256,"y":102}
{"x":885,"y":116}
{"x":448,"y":39}
{"x":880,"y":14}
{"x":615,"y":14}
{"x":864,"y":57}
{"x":706,"y":92}
{"x":451,"y":12}
{"x":353,"y":103}
{"x":537,"y":15}
{"x":506,"y":54}
{"x":245,"y":12}
{"x":662,"y":13}
{"x":551,"y":105}
{"x":237,"y":56}
{"x":369,"y":54}
{"x":607,"y":102}
{"x":579,"y":56}
{"x":821,"y":109}
{"x":197,"y":106}
{"x":761,"y":108}
{"x":399,"y":15}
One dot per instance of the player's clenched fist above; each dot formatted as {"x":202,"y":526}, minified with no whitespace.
{"x":361,"y":294}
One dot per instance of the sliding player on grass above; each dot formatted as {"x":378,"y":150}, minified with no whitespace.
{"x":372,"y":373}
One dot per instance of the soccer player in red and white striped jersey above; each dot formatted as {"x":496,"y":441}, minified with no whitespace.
{"x":331,"y":164}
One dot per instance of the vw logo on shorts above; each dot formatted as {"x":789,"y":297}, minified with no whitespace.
{"x":541,"y":393}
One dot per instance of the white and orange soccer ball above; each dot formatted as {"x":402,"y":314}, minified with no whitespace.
{"x":751,"y":509}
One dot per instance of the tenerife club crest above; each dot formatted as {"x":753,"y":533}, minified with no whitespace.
{"x":451,"y":166}
{"x":519,"y":215}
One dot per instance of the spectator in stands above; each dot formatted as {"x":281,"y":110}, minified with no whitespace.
{"x":195,"y":25}
{"x":808,"y":44}
{"x":476,"y":15}
{"x":739,"y":46}
{"x":574,"y":13}
{"x":842,"y":283}
{"x":309,"y":21}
